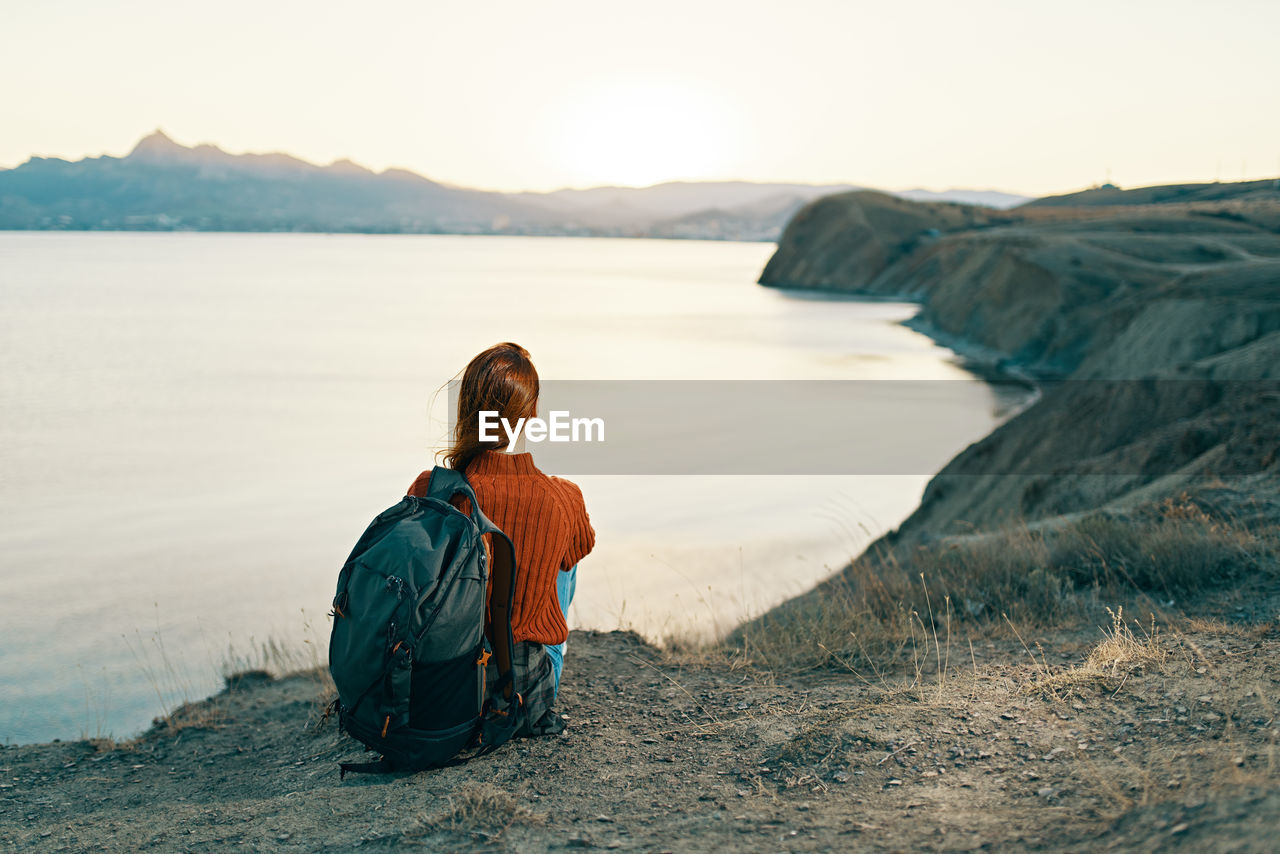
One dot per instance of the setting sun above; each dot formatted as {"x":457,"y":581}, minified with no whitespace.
{"x":639,"y":131}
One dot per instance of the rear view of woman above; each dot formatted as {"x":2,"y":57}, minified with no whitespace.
{"x":544,"y":516}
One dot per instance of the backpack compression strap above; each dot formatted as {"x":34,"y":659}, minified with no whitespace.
{"x":444,"y":484}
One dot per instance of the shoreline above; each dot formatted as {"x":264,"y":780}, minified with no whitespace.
{"x":117,"y":231}
{"x":983,"y":361}
{"x":988,"y":365}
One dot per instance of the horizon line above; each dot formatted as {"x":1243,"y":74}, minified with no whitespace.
{"x":346,"y":159}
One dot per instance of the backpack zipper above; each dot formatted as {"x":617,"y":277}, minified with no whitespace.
{"x":431,"y":619}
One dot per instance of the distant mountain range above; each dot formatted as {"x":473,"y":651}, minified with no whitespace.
{"x":163,"y":186}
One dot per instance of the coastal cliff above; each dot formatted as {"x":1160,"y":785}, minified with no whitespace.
{"x":1155,"y":327}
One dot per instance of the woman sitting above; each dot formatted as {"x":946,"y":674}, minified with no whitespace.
{"x":544,"y":516}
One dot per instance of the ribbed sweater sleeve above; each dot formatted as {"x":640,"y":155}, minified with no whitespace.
{"x":582,"y":537}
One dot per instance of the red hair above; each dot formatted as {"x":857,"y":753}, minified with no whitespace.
{"x":500,"y":379}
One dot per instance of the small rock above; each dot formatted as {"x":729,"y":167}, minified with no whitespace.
{"x":1047,"y":792}
{"x":1178,"y":828}
{"x":841,"y":776}
{"x":894,"y":782}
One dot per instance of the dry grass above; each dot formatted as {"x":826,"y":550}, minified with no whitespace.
{"x":275,"y":659}
{"x":479,"y":809}
{"x":275,"y":656}
{"x":106,"y":744}
{"x":177,"y":684}
{"x":1218,"y":626}
{"x":205,"y":714}
{"x":1122,"y":649}
{"x":894,"y":608}
{"x":322,"y":709}
{"x":1120,"y":654}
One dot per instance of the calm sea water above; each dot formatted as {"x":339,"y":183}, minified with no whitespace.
{"x":194,"y":429}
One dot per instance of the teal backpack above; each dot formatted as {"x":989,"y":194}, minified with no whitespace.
{"x":412,"y":635}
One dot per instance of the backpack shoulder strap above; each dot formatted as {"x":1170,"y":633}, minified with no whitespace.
{"x":499,"y":628}
{"x":444,"y":484}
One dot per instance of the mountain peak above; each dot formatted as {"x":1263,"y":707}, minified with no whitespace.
{"x":156,"y":143}
{"x":345,"y":166}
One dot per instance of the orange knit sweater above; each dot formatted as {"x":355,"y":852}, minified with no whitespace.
{"x":547,"y":521}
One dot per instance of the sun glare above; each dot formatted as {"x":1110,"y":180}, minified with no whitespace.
{"x":640,"y":131}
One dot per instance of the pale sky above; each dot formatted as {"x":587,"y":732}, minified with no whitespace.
{"x":1023,"y":95}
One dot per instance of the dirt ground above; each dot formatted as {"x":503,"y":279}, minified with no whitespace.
{"x":1168,"y":744}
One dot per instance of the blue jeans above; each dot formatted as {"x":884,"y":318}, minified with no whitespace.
{"x":566,"y":583}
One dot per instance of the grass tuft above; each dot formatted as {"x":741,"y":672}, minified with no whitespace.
{"x":1122,"y":649}
{"x":479,"y":809}
{"x":1120,"y":654}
